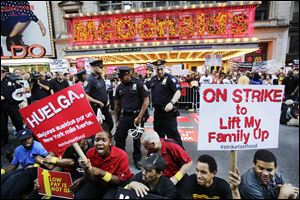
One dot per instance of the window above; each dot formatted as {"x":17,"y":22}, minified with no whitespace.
{"x":294,"y":44}
{"x":295,"y":18}
{"x":160,"y":3}
{"x":174,"y":3}
{"x":148,"y":4}
{"x":262,"y":11}
{"x":259,"y":55}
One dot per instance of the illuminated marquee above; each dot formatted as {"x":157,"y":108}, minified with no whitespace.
{"x":200,"y":23}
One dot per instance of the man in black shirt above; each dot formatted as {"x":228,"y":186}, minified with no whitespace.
{"x":150,"y":181}
{"x":204,"y":184}
{"x":40,"y":87}
{"x":58,"y":83}
{"x":291,"y":86}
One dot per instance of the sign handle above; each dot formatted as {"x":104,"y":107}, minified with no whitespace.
{"x":79,"y":151}
{"x":233,"y":159}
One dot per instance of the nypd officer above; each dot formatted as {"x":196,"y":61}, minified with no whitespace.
{"x":95,"y":87}
{"x":131,"y":103}
{"x":165,"y":92}
{"x":9,"y":106}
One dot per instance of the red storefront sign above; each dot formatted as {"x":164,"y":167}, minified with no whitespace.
{"x":167,"y":25}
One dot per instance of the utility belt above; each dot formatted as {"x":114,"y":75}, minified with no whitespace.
{"x":126,"y":112}
{"x":162,"y":110}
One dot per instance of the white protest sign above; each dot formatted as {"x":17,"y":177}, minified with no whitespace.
{"x":58,"y":65}
{"x":239,"y":117}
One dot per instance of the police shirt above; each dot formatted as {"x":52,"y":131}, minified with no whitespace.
{"x":163,"y":90}
{"x":7,"y":88}
{"x":132,"y":94}
{"x":96,"y":88}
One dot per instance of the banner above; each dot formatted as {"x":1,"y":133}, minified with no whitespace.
{"x":61,"y":119}
{"x":239,"y":117}
{"x":14,"y":12}
{"x":111,"y":69}
{"x":213,"y":60}
{"x":54,"y":184}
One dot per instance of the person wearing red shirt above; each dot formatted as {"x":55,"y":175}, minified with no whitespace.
{"x":177,"y":159}
{"x":106,"y":166}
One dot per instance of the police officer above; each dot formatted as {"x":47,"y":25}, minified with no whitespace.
{"x":95,"y":87}
{"x":81,"y":76}
{"x":165,"y":92}
{"x":131,"y":103}
{"x":9,"y":106}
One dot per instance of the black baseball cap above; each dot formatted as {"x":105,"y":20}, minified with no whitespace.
{"x":24,"y":134}
{"x":96,"y":63}
{"x":154,"y":161}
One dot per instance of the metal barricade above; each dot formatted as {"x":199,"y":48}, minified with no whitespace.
{"x":189,"y":98}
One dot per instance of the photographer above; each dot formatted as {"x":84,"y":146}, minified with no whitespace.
{"x":9,"y":106}
{"x":39,"y":86}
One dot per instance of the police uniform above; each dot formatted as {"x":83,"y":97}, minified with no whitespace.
{"x":131,"y":97}
{"x":9,"y":107}
{"x":162,"y":92}
{"x":95,"y":87}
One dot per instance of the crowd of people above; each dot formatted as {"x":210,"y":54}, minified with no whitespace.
{"x":106,"y":173}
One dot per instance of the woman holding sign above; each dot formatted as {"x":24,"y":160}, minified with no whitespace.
{"x":106,"y":165}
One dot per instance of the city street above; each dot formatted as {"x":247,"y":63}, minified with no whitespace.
{"x":287,"y":154}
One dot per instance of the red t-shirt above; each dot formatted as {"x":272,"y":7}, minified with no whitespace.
{"x":179,"y":155}
{"x":116,"y":162}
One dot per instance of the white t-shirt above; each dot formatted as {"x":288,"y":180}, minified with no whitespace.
{"x":206,"y":80}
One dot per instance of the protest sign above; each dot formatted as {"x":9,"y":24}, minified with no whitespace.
{"x":56,"y":184}
{"x":140,"y":69}
{"x":58,"y":65}
{"x":239,"y":117}
{"x":61,"y":119}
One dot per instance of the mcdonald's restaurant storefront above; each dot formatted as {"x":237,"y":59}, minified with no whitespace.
{"x":187,"y":35}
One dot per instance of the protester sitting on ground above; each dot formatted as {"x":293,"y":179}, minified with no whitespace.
{"x":288,"y":113}
{"x":106,"y":166}
{"x":177,"y":158}
{"x":204,"y":184}
{"x":262,"y":181}
{"x":150,"y":180}
{"x":24,"y":155}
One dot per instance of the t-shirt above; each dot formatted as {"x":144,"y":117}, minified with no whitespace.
{"x":251,"y":186}
{"x":116,"y":162}
{"x":25,"y":157}
{"x":206,"y":80}
{"x":190,"y":189}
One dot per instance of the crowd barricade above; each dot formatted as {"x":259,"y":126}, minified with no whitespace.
{"x":189,"y":99}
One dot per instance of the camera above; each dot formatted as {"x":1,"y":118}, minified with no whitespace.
{"x":13,"y":78}
{"x":34,"y":77}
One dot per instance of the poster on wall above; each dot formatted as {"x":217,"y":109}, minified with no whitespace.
{"x":26,"y":29}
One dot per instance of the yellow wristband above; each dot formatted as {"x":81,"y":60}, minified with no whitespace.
{"x":2,"y":171}
{"x":36,"y":165}
{"x":178,"y":176}
{"x":54,"y":160}
{"x":107,"y":177}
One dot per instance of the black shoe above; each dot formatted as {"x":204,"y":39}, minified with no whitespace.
{"x":137,"y":165}
{"x":15,"y":41}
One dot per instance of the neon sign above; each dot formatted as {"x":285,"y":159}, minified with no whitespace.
{"x":191,"y":24}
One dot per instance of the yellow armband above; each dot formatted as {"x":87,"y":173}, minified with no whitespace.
{"x":107,"y":177}
{"x":2,"y":171}
{"x":54,"y":160}
{"x":178,"y":176}
{"x":36,"y":165}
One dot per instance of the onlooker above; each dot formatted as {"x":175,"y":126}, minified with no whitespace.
{"x":256,"y":79}
{"x":291,"y":86}
{"x":206,"y":78}
{"x":262,"y":181}
{"x":39,"y":87}
{"x":245,"y":79}
{"x":204,"y":184}
{"x":58,"y":83}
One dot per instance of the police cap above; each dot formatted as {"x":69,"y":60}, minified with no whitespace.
{"x":96,"y":63}
{"x":123,"y":70}
{"x":80,"y":73}
{"x":159,"y":63}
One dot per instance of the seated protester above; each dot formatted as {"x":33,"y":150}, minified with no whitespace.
{"x":262,"y":181}
{"x":288,"y":113}
{"x":177,"y":159}
{"x":204,"y":184}
{"x":151,"y":181}
{"x":24,"y":155}
{"x":106,"y":166}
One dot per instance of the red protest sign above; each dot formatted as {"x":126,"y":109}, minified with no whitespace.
{"x":62,"y":119}
{"x":54,"y":183}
